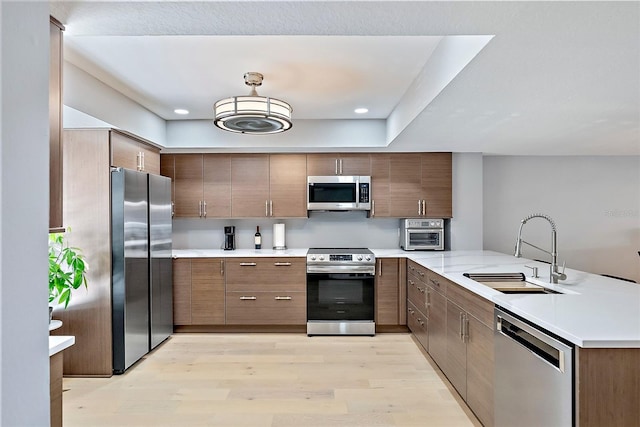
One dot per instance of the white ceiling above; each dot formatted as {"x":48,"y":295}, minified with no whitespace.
{"x":557,"y":78}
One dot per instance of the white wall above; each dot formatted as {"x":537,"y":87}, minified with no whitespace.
{"x":85,"y":93}
{"x":334,"y":135}
{"x":594,"y":201}
{"x":24,"y":213}
{"x":466,"y":224}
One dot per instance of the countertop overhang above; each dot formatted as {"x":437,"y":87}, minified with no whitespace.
{"x":592,"y":311}
{"x":57,"y":343}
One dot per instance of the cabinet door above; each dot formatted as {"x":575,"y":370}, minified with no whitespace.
{"x":418,"y":323}
{"x":188,"y":185}
{"x":355,"y":164}
{"x":455,"y":367}
{"x":182,"y":291}
{"x":125,"y":152}
{"x":323,"y":164}
{"x":216,"y":186}
{"x":480,"y":365}
{"x":249,"y":185}
{"x":288,"y":185}
{"x":167,"y":169}
{"x":436,"y":184}
{"x":405,"y":182}
{"x":150,"y":159}
{"x":380,"y":194}
{"x":387,"y":291}
{"x":437,"y":305}
{"x":207,"y":291}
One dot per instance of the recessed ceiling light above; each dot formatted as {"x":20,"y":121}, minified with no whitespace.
{"x":361,"y":110}
{"x":181,"y":111}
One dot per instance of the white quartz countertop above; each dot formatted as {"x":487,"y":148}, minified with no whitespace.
{"x":57,"y":343}
{"x":592,"y":311}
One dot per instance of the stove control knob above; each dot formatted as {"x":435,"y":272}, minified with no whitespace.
{"x":321,"y":258}
{"x":313,"y":257}
{"x":368,"y":258}
{"x":359,"y":257}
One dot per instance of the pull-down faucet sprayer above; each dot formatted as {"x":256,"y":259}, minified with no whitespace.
{"x":555,"y":274}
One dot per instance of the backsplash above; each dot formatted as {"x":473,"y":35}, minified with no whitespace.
{"x":321,"y":229}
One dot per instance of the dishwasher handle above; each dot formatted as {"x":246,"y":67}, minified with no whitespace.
{"x":545,"y":347}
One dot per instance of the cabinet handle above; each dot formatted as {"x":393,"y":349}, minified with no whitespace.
{"x":428,"y":303}
{"x":410,"y":311}
{"x":248,"y":298}
{"x":340,"y":166}
{"x":173,"y":209}
{"x":222,"y":267}
{"x":282,"y":264}
{"x":336,"y":166}
{"x":419,"y":208}
{"x":266,"y":208}
{"x":465,"y":329}
{"x":373,"y":208}
{"x":435,"y":282}
{"x":379,"y":268}
{"x":138,"y":164}
{"x":421,"y":273}
{"x":270,"y":207}
{"x":142,"y":160}
{"x":424,"y":207}
{"x":411,"y":282}
{"x":204,"y":209}
{"x":282,"y":298}
{"x":200,"y":208}
{"x":247,"y":264}
{"x":461,"y":326}
{"x":421,"y":290}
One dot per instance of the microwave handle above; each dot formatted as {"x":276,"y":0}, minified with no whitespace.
{"x":357,"y":191}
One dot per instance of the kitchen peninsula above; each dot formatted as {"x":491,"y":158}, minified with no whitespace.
{"x":600,"y":316}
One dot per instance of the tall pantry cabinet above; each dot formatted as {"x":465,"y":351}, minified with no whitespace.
{"x":88,"y":156}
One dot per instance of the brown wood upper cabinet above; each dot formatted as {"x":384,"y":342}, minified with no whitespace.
{"x":201,"y":184}
{"x":266,"y":185}
{"x":338,"y":164}
{"x":420,"y":185}
{"x":167,"y":168}
{"x":380,"y":191}
{"x":55,"y":124}
{"x":132,"y":153}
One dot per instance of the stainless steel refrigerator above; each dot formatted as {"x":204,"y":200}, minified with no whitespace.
{"x":141,"y":264}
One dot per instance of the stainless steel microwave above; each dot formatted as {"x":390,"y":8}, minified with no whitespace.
{"x":422,"y":234}
{"x":338,"y":193}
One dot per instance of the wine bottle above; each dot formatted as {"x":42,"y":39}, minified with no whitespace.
{"x":258,"y":238}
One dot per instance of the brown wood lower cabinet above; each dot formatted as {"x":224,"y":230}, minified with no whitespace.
{"x":198,"y":291}
{"x":55,"y":389}
{"x":390,"y":298}
{"x":266,"y":308}
{"x":266,"y":291}
{"x":459,"y":334}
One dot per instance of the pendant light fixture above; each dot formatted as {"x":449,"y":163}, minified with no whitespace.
{"x":252,"y":114}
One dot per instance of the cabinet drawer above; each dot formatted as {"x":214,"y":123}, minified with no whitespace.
{"x":266,"y":308}
{"x":417,"y":293}
{"x":437,"y":282}
{"x":418,"y":270}
{"x":268,"y":274}
{"x":476,"y":306}
{"x":417,"y":322}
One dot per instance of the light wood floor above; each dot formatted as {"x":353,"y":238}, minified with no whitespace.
{"x":271,"y":380}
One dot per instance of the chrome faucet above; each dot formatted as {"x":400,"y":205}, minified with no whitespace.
{"x":554,"y":273}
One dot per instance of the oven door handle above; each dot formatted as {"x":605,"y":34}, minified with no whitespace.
{"x":342,"y":269}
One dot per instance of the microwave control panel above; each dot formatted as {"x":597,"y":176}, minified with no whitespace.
{"x":364,"y":192}
{"x":423,"y":223}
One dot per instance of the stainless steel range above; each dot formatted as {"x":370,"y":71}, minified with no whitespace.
{"x":340,"y":291}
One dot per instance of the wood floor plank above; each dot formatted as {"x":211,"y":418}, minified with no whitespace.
{"x":271,"y":380}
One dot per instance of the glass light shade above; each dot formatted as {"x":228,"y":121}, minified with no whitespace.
{"x":252,"y":114}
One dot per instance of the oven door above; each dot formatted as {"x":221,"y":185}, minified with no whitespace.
{"x":424,"y":239}
{"x":340,"y":297}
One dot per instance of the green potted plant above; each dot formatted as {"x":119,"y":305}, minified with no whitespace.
{"x":67,"y":271}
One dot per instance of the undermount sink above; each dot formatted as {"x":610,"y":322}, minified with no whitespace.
{"x":509,"y":283}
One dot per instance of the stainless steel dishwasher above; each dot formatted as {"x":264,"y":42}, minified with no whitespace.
{"x":533,"y":375}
